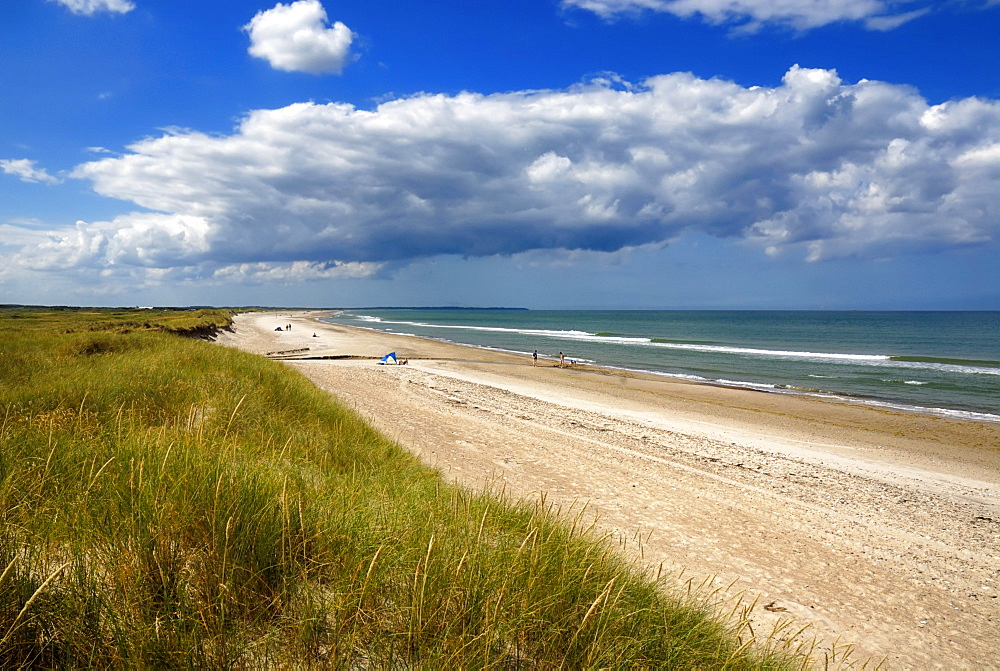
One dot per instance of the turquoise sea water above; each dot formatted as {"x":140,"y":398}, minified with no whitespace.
{"x":934,"y":362}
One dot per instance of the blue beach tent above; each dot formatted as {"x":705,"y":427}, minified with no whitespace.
{"x":388,"y":358}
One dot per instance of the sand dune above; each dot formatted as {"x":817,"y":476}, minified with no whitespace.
{"x":878,"y":529}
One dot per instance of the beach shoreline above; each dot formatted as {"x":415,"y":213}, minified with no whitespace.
{"x":925,"y":363}
{"x":878,"y":528}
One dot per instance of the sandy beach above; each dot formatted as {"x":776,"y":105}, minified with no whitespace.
{"x":878,"y":529}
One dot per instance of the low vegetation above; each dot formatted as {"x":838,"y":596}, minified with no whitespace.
{"x":167,"y":502}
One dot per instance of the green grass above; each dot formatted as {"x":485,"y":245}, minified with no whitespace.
{"x":168,"y":502}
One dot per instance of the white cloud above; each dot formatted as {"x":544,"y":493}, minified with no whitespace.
{"x":26,"y":171}
{"x":144,"y":240}
{"x":91,"y":7}
{"x":752,"y":14}
{"x":23,"y":233}
{"x":891,"y":22}
{"x":295,"y":37}
{"x":293,"y":273}
{"x":813,"y":167}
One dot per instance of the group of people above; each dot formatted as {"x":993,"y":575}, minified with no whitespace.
{"x":288,"y":327}
{"x":562,"y":359}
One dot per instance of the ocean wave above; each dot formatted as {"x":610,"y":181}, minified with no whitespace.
{"x":774,"y":353}
{"x":543,"y":333}
{"x":687,"y":377}
{"x":982,"y":363}
{"x":950,"y":413}
{"x":746,"y":385}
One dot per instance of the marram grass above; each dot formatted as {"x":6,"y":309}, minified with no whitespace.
{"x":169,"y":503}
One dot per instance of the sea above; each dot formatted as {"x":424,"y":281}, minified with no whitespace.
{"x":940,"y":363}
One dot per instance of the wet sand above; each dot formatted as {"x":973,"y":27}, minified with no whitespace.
{"x":879,"y":529}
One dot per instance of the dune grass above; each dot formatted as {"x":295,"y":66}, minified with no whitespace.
{"x":166,"y":502}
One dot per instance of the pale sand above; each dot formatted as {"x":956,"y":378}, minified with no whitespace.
{"x":876,"y":528}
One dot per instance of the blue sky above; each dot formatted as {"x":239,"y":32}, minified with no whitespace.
{"x":842,"y":154}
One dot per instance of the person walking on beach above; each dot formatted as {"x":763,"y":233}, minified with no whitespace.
{"x":534,"y":358}
{"x":562,"y":360}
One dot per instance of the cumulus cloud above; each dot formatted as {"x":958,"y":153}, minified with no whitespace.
{"x":752,"y":14}
{"x":296,"y":37}
{"x":145,"y":240}
{"x":813,"y":167}
{"x":26,"y":171}
{"x":91,"y":7}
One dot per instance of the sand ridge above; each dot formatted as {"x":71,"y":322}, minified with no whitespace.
{"x":878,"y":529}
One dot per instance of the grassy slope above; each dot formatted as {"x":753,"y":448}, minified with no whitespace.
{"x":166,"y":502}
